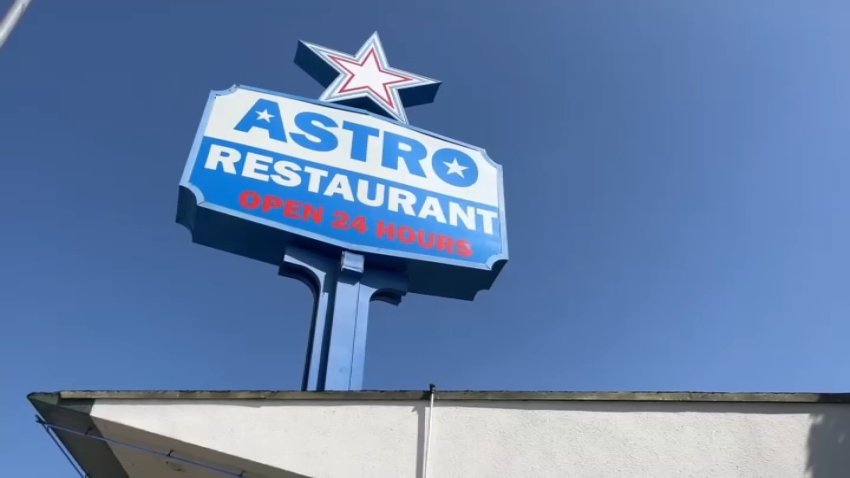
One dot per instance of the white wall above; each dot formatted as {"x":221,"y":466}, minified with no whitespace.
{"x":491,"y":438}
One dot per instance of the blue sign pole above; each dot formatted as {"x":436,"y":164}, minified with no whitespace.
{"x":342,"y":290}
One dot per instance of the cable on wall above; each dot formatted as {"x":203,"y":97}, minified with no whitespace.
{"x":426,"y":452}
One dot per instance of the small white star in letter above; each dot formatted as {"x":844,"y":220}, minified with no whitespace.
{"x":264,"y":115}
{"x":455,"y":167}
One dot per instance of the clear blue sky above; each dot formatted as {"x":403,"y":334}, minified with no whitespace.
{"x":676,"y":178}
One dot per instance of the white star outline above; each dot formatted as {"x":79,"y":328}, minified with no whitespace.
{"x":371,"y":52}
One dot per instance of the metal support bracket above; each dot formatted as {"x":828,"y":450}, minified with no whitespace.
{"x":342,"y":290}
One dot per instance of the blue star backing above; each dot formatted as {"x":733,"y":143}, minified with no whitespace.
{"x":365,"y":80}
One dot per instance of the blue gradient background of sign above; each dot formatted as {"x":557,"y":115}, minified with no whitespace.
{"x":223,"y":189}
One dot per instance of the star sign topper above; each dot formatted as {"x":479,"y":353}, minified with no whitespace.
{"x":365,"y":80}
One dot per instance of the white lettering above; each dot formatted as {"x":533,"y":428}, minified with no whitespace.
{"x":400,"y":197}
{"x":488,"y":217}
{"x":339,"y":185}
{"x":226,"y":157}
{"x":363,"y":193}
{"x":467,"y":215}
{"x":287,"y":174}
{"x":316,"y":176}
{"x":431,"y":208}
{"x":256,"y":162}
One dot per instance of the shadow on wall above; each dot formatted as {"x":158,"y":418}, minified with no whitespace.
{"x":829,"y":443}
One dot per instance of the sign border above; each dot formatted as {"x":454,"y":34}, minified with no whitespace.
{"x":200,"y":201}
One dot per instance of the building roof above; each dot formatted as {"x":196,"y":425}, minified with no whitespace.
{"x":638,"y":396}
{"x":105,"y":448}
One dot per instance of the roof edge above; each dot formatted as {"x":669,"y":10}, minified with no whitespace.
{"x":637,"y":396}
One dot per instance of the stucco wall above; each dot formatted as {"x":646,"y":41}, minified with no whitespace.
{"x":492,"y":438}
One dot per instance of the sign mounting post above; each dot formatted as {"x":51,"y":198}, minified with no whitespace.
{"x":345,"y":196}
{"x":342,"y":291}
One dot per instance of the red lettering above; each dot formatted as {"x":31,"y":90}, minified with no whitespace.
{"x":292,"y":209}
{"x":341,"y":220}
{"x":445,"y":243}
{"x":314,"y":213}
{"x":249,"y":199}
{"x":464,"y":248}
{"x":359,"y":224}
{"x":423,"y":238}
{"x":406,"y":234}
{"x":388,"y":229}
{"x":430,"y":243}
{"x":271,"y":202}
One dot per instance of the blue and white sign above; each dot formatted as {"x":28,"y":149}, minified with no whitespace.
{"x":268,"y":170}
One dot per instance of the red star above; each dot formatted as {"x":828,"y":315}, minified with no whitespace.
{"x":366,"y":80}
